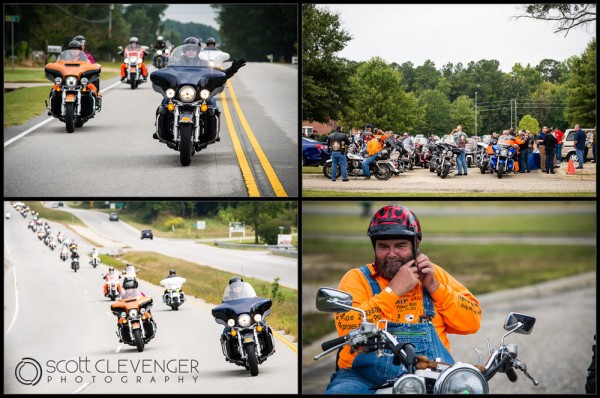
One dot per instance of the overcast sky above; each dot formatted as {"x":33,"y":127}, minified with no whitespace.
{"x":453,"y":33}
{"x":198,"y":13}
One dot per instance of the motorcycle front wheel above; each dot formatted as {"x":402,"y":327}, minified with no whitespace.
{"x":185,"y":144}
{"x":70,"y":117}
{"x":383,"y":172}
{"x":132,"y":80}
{"x":500,"y":170}
{"x":139,"y":342}
{"x":445,"y":171}
{"x":251,"y":358}
{"x":327,"y":171}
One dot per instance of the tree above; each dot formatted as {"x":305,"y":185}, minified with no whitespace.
{"x":426,"y":77}
{"x":266,"y":217}
{"x":581,"y":97}
{"x":528,"y":122}
{"x":325,"y":77}
{"x":552,"y":70}
{"x":437,"y":112}
{"x":462,"y":111}
{"x":567,"y":16}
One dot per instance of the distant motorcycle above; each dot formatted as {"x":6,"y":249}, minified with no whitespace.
{"x":160,"y":59}
{"x":382,"y":168}
{"x":64,"y":255}
{"x":501,"y":159}
{"x":113,"y":287}
{"x":133,"y":71}
{"x":95,"y":261}
{"x":75,"y":264}
{"x":173,"y":295}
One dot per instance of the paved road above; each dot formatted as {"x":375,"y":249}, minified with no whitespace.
{"x":54,"y":314}
{"x":114,"y":154}
{"x":557,"y":352}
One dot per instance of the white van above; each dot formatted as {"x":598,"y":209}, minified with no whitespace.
{"x":568,"y":149}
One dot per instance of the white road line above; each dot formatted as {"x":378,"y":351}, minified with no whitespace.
{"x":24,"y":133}
{"x":14,"y":318}
{"x":81,"y":388}
{"x":107,"y":313}
{"x":118,"y":349}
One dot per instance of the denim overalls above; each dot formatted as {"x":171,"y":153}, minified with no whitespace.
{"x":368,"y":370}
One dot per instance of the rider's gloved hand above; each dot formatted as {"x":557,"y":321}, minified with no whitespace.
{"x":235,"y":66}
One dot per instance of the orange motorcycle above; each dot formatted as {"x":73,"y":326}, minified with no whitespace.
{"x":135,"y":326}
{"x":74,"y":98}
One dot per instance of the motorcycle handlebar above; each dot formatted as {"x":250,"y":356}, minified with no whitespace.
{"x":512,"y":375}
{"x":332,"y":343}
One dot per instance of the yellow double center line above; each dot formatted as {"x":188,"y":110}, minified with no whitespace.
{"x":249,"y":179}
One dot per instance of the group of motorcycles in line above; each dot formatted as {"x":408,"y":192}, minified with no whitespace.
{"x":193,"y":118}
{"x":246,"y":341}
{"x":438,"y":156}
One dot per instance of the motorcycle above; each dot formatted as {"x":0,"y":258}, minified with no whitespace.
{"x":7,"y":215}
{"x":75,"y":263}
{"x":113,"y":287}
{"x":160,"y":58}
{"x":470,"y":151}
{"x":73,"y":99}
{"x":481,"y":157}
{"x":446,"y":160}
{"x":94,"y":261}
{"x":64,"y":255}
{"x":382,"y":168}
{"x":422,"y":155}
{"x":190,"y":121}
{"x":501,"y":159}
{"x":424,"y":376}
{"x":136,"y":327}
{"x":247,"y":340}
{"x":133,"y":71}
{"x":52,"y":245}
{"x":173,"y":295}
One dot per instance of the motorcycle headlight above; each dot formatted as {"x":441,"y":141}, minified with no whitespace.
{"x":244,"y":320}
{"x":409,"y":384}
{"x":58,"y":80}
{"x":170,"y":93}
{"x":211,"y":64}
{"x":204,"y":94}
{"x":133,"y":313}
{"x":503,"y":152}
{"x":257,"y":317}
{"x":461,"y":378}
{"x":71,"y":81}
{"x":231,"y":322}
{"x":84,"y":80}
{"x":123,"y":314}
{"x":497,"y":151}
{"x":142,"y":311}
{"x":126,"y":60}
{"x":139,"y":61}
{"x":133,"y":60}
{"x":158,"y":52}
{"x":187,"y":93}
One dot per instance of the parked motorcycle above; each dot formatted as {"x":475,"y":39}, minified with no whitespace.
{"x":190,"y":121}
{"x":422,"y":375}
{"x":446,"y":161}
{"x":470,"y":151}
{"x":481,"y":157}
{"x":501,"y":161}
{"x":136,"y":327}
{"x":113,"y":287}
{"x":246,"y":340}
{"x":173,"y":295}
{"x":73,"y":99}
{"x":382,"y":168}
{"x":133,"y":60}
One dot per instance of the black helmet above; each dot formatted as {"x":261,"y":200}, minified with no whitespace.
{"x":368,"y":126}
{"x":75,"y":44}
{"x":130,"y":283}
{"x":111,"y":269}
{"x":172,"y":272}
{"x":393,"y":221}
{"x":235,"y":279}
{"x":192,"y":40}
{"x":211,"y":40}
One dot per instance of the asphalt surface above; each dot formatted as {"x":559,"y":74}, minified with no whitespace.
{"x":114,"y":153}
{"x":54,"y":314}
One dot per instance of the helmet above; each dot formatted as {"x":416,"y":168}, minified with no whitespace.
{"x":133,"y":39}
{"x":393,"y":221}
{"x":211,"y":40}
{"x":79,"y":38}
{"x":130,"y":283}
{"x":368,"y":126}
{"x":75,"y":44}
{"x":192,"y":40}
{"x":235,"y":279}
{"x":159,"y":38}
{"x":172,"y":272}
{"x":111,"y":269}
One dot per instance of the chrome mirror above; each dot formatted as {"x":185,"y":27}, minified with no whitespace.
{"x":526,"y":321}
{"x":333,"y":300}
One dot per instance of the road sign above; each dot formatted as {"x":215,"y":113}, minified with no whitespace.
{"x":13,"y":18}
{"x":55,"y":49}
{"x":201,"y":225}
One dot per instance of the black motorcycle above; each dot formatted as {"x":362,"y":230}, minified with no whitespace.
{"x":382,"y":168}
{"x":247,"y":340}
{"x":188,"y":120}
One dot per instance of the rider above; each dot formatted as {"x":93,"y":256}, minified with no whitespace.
{"x":160,"y":45}
{"x":74,"y":55}
{"x":415,"y":296}
{"x":94,"y":252}
{"x":111,"y":274}
{"x":133,"y":46}
{"x":370,"y":152}
{"x":235,"y":289}
{"x":131,"y":288}
{"x":211,"y":42}
{"x":84,"y":48}
{"x":173,"y":274}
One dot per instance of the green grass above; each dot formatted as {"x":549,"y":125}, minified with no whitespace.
{"x":54,"y":215}
{"x":208,"y":284}
{"x":29,"y":75}
{"x":312,"y":170}
{"x":316,"y":325}
{"x":308,"y":193}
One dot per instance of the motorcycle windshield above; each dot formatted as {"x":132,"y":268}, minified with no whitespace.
{"x":213,"y":56}
{"x":173,"y":283}
{"x":237,"y":291}
{"x":251,"y":305}
{"x":72,"y":55}
{"x":504,"y":140}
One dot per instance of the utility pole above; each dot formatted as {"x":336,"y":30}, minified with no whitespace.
{"x":110,"y":8}
{"x":475,"y":113}
{"x":516,"y":119}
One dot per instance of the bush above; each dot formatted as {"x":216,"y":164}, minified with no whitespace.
{"x":173,"y":222}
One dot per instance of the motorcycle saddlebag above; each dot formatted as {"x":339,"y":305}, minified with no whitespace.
{"x":266,"y":342}
{"x":55,"y":103}
{"x":87,"y":105}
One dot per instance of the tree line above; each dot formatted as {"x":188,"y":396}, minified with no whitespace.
{"x":431,"y":99}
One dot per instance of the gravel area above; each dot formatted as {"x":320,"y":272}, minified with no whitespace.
{"x":422,"y":180}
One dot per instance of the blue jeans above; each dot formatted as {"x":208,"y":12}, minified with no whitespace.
{"x":524,"y":160}
{"x":338,"y":157}
{"x":366,"y":163}
{"x":549,"y":161}
{"x":558,"y":153}
{"x":461,"y":162}
{"x":579,"y":153}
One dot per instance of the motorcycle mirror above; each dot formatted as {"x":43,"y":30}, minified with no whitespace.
{"x":333,"y":300}
{"x":515,"y":318}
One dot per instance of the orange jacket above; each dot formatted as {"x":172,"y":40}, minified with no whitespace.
{"x":373,"y":146}
{"x":457,"y":310}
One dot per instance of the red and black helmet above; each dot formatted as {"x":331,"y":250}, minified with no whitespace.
{"x":394,"y":221}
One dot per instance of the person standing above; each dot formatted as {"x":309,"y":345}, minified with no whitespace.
{"x":523,"y":140}
{"x":579,"y":143}
{"x":461,"y":160}
{"x":338,"y":142}
{"x":540,"y":145}
{"x":550,"y":145}
{"x":559,"y":139}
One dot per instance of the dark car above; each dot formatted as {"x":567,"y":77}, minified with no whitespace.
{"x":113,"y":217}
{"x":147,"y":233}
{"x":314,"y":153}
